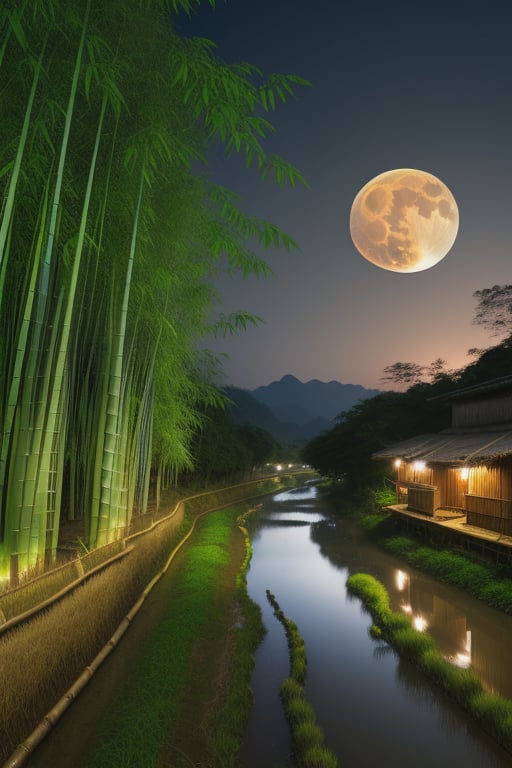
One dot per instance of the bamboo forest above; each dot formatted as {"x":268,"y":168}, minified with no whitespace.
{"x":111,"y":238}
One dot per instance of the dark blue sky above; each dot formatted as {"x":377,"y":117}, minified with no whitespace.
{"x":394,"y":85}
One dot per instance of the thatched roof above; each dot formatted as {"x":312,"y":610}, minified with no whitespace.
{"x":503,"y":383}
{"x":453,"y":448}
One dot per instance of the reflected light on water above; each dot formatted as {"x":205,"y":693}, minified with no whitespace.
{"x":419,"y":623}
{"x":463,"y":660}
{"x":401,"y":580}
{"x":403,"y":585}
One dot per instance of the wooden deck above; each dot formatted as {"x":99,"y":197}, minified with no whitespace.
{"x":449,"y":525}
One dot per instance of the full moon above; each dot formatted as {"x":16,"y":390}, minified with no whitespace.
{"x":404,"y":220}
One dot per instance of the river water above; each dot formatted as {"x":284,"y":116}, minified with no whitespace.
{"x":374,"y":708}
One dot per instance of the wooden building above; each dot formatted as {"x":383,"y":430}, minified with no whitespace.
{"x":466,"y":468}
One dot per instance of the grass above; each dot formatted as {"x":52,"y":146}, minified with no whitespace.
{"x":226,"y":725}
{"x":40,"y":587}
{"x":171,"y":660}
{"x":494,"y":713}
{"x":307,"y":738}
{"x":40,"y":660}
{"x":478,"y":579}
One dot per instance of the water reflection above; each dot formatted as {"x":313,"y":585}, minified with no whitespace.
{"x":297,"y":494}
{"x":445,"y":622}
{"x":372,"y":706}
{"x":466,"y":631}
{"x":461,"y":640}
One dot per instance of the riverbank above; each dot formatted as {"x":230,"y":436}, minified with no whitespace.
{"x":493,"y":713}
{"x":41,"y":659}
{"x":188,"y":687}
{"x":478,"y":573}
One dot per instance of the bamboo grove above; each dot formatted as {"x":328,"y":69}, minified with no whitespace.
{"x":110,"y":238}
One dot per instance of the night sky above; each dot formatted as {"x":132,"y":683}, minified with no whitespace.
{"x":394,"y":85}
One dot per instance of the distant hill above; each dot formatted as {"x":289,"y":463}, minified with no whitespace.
{"x":294,"y":412}
{"x":298,"y":402}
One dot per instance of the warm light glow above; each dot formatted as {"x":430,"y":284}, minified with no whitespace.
{"x":463,"y":660}
{"x":404,"y":220}
{"x":464,"y":473}
{"x":419,"y":623}
{"x":401,"y":579}
{"x":418,"y":466}
{"x":279,"y":467}
{"x":398,"y":462}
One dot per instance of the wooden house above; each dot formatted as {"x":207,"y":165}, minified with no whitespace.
{"x":466,"y":468}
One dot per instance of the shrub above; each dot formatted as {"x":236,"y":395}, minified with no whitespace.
{"x":307,"y":738}
{"x":463,"y":685}
{"x":318,"y":757}
{"x":307,"y":735}
{"x":290,"y":688}
{"x":299,"y":710}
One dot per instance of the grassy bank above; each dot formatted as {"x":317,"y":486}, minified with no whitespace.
{"x":482,"y":578}
{"x":174,"y":708}
{"x":41,"y":659}
{"x":479,"y":579}
{"x":493,"y":713}
{"x":307,"y":738}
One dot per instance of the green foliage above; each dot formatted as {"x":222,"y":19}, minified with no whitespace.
{"x":344,"y":454}
{"x":494,"y":309}
{"x":160,"y":678}
{"x":260,"y":444}
{"x":109,"y":246}
{"x":477,"y":579}
{"x":227,"y":724}
{"x":307,"y":737}
{"x":462,"y":685}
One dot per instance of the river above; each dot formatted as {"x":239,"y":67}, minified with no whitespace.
{"x":374,"y":708}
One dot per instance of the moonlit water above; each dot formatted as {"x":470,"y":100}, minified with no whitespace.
{"x":373,"y":707}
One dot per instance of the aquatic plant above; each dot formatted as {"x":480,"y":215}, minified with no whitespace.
{"x":493,"y":712}
{"x":307,"y":736}
{"x":480,"y":579}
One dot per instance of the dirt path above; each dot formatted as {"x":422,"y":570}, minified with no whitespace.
{"x":187,"y":743}
{"x":69,"y":742}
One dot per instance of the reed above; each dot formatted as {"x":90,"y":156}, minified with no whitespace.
{"x":494,"y":713}
{"x":307,"y":738}
{"x":40,"y":660}
{"x":227,"y":723}
{"x":479,"y":578}
{"x":168,"y":680}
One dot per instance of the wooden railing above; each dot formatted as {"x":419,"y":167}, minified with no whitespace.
{"x":485,"y":512}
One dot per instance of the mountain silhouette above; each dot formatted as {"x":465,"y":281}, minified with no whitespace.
{"x":292,"y":411}
{"x":293,"y":400}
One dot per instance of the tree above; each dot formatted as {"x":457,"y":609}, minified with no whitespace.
{"x":261,"y":445}
{"x":494,"y":309}
{"x":344,"y":454}
{"x":410,"y":374}
{"x":108,"y":246}
{"x":404,"y":373}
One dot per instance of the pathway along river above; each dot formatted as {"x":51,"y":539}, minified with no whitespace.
{"x":374,"y":709}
